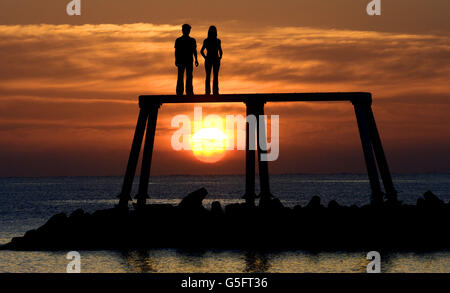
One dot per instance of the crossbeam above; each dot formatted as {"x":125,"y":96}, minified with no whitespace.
{"x":370,"y":140}
{"x":354,"y":97}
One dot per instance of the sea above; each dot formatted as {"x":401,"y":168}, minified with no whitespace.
{"x":27,"y":203}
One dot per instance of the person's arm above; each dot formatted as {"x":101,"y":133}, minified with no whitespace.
{"x":176,"y":63}
{"x":202,"y":50}
{"x":220,"y":49}
{"x":195,"y":53}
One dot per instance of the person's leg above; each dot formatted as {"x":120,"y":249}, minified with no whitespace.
{"x":189,"y":73}
{"x":208,"y":66}
{"x":180,"y":85}
{"x":216,"y":77}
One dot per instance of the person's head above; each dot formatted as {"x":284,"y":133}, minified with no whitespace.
{"x":186,"y":29}
{"x":212,"y":32}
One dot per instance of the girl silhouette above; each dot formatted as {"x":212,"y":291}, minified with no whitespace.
{"x":212,"y":59}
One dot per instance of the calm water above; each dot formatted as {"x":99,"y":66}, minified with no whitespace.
{"x":27,"y":203}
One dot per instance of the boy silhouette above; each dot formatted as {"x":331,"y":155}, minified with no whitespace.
{"x":185,"y":48}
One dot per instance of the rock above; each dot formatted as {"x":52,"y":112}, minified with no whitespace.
{"x":314,"y":203}
{"x":79,"y":213}
{"x":159,"y":209}
{"x":276,"y":203}
{"x":420,"y":203}
{"x":234,"y":208}
{"x":190,"y":225}
{"x":297,"y":208}
{"x":55,"y":223}
{"x":271,"y":204}
{"x":193,"y":201}
{"x":432,"y":200}
{"x":333,"y":205}
{"x":31,"y":234}
{"x":216,"y":208}
{"x":16,"y":242}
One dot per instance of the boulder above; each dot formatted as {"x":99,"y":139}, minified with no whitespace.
{"x":333,"y":205}
{"x":194,"y":200}
{"x":216,"y":208}
{"x":77,"y":215}
{"x":271,"y":204}
{"x":55,"y":223}
{"x":432,"y":200}
{"x":233,"y":209}
{"x":297,"y":208}
{"x":314,"y":203}
{"x":420,"y":203}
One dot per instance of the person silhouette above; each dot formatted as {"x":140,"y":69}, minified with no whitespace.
{"x":185,"y":48}
{"x":213,"y":56}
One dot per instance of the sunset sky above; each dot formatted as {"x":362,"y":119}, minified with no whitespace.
{"x":69,"y":85}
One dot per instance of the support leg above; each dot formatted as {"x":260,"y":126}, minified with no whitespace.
{"x":133,"y":159}
{"x":363,"y":126}
{"x":262,"y":148}
{"x":391,"y":193}
{"x":147,"y":156}
{"x":249,"y":161}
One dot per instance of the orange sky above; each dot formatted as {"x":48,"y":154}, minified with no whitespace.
{"x":69,"y":92}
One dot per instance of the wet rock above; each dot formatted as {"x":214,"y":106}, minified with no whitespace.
{"x":77,"y":214}
{"x":271,"y":204}
{"x":276,"y":203}
{"x":237,"y":209}
{"x":420,"y":203}
{"x":56,"y":219}
{"x":333,"y":205}
{"x":78,"y":217}
{"x":432,"y":200}
{"x":158,"y":209}
{"x":297,"y":208}
{"x":112,"y":212}
{"x":229,"y":208}
{"x":314,"y":203}
{"x":31,"y":234}
{"x":216,"y":208}
{"x":55,"y":223}
{"x":194,"y":200}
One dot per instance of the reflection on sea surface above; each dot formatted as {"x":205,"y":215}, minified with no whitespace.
{"x":221,"y":261}
{"x":252,"y":261}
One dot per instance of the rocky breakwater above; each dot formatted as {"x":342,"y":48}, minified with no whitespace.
{"x":238,"y":226}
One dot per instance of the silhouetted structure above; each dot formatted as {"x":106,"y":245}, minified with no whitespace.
{"x":214,"y":53}
{"x":370,"y":139}
{"x":185,"y":50}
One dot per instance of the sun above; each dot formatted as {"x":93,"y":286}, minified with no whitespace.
{"x":209,"y":144}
